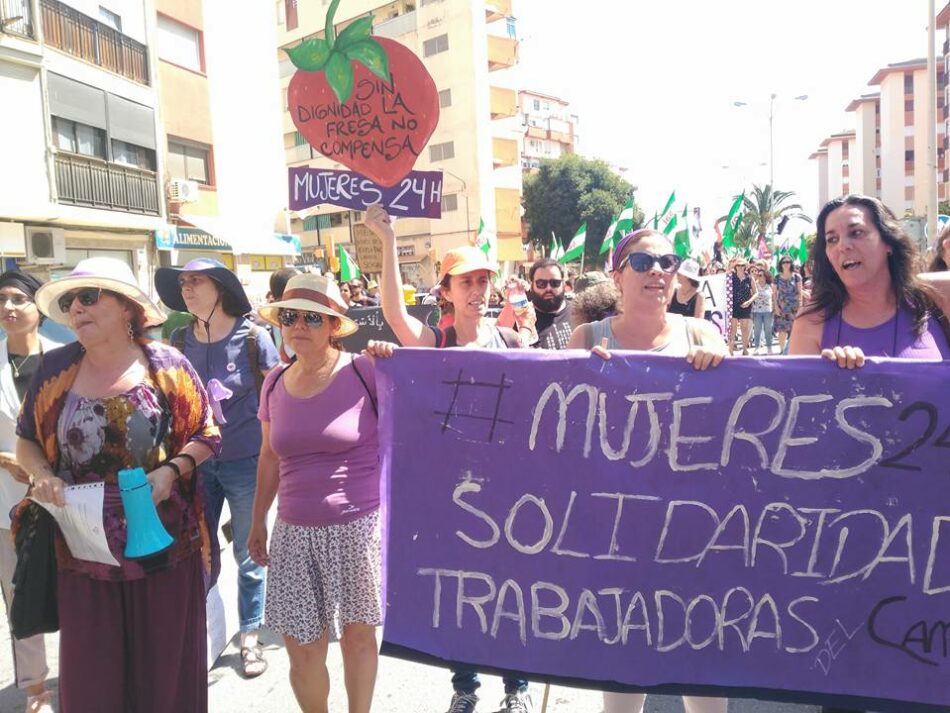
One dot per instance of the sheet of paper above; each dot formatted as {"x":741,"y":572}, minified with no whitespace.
{"x":81,"y":523}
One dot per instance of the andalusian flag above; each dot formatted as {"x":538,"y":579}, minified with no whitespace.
{"x":681,"y":238}
{"x":557,"y":250}
{"x":729,"y":232}
{"x":669,"y":205}
{"x":609,"y":236}
{"x":576,"y":247}
{"x":349,"y":270}
{"x":800,"y":253}
{"x":621,"y":226}
{"x":483,"y":238}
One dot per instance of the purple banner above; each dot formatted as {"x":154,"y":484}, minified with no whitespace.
{"x":418,"y":195}
{"x":773,"y":529}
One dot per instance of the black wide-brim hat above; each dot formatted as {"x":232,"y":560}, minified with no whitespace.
{"x":166,"y":283}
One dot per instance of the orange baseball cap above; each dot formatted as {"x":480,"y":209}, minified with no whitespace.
{"x":465,"y":259}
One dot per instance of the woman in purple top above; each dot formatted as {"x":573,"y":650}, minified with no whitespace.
{"x":866,"y":299}
{"x":320,"y":459}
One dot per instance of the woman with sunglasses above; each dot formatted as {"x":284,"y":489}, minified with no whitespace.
{"x":232,"y":355}
{"x":743,"y":295}
{"x":132,"y":635}
{"x":788,"y":300}
{"x":644,"y":271}
{"x":21,"y":350}
{"x":320,"y":459}
{"x":763,"y":308}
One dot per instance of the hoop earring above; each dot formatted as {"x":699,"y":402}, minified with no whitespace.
{"x":131,"y":332}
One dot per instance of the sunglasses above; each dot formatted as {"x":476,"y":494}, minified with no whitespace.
{"x":542,"y":284}
{"x":289,"y":317}
{"x":87,"y":297}
{"x":644,"y":262}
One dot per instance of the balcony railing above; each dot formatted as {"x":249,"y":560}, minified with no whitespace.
{"x":81,"y":36}
{"x":94,"y":183}
{"x":16,"y":17}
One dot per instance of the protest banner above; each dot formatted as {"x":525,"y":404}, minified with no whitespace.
{"x":775,"y":529}
{"x":717,"y":302}
{"x":418,"y":195}
{"x":372,"y":325}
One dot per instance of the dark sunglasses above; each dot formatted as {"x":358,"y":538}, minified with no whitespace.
{"x":87,"y":297}
{"x":289,"y":317}
{"x":644,"y":262}
{"x":542,"y":284}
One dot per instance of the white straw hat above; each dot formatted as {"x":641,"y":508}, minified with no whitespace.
{"x":311,"y":293}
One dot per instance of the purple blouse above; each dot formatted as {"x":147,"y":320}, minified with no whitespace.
{"x":893,"y":338}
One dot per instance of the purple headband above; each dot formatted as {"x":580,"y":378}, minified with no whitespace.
{"x":624,"y":241}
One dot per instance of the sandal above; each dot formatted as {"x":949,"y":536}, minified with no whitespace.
{"x":252,"y":660}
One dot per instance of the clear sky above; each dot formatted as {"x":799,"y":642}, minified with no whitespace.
{"x":654,"y":82}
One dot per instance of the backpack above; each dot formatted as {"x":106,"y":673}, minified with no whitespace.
{"x":177,"y":340}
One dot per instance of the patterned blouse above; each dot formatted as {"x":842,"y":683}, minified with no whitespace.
{"x":90,"y":440}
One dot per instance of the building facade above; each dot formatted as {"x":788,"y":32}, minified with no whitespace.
{"x":550,"y":128}
{"x":82,"y":172}
{"x":465,"y":45}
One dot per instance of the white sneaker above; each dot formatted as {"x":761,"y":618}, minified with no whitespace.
{"x":517,"y":703}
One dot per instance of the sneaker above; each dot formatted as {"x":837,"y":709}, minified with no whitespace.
{"x":517,"y":703}
{"x":463,"y":703}
{"x":42,"y":703}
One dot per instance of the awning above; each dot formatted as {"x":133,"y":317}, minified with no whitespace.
{"x":239,"y":239}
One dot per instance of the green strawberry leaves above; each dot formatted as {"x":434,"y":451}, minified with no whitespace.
{"x":335,"y":56}
{"x":309,"y":56}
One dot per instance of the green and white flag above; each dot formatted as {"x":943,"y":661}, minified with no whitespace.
{"x":610,"y":237}
{"x":557,"y":250}
{"x":576,"y":247}
{"x":681,"y":237}
{"x":349,"y":270}
{"x":669,"y":205}
{"x":483,"y":239}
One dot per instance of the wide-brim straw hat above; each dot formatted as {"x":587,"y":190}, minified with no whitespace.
{"x":169,"y":291}
{"x":311,"y":293}
{"x":690,"y":268}
{"x":106,"y":273}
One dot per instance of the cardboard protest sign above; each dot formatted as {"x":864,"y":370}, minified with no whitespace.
{"x":372,"y":325}
{"x":773,"y":529}
{"x":418,"y":195}
{"x":364,"y":101}
{"x":717,"y":302}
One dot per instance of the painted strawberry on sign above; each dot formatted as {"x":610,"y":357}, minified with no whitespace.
{"x":364,"y":101}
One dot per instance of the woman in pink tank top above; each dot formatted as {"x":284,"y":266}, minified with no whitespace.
{"x":866,"y":299}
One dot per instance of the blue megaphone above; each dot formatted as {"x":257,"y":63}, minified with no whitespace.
{"x":145,"y":533}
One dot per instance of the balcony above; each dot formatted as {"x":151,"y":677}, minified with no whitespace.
{"x":396,"y":26}
{"x":81,"y":36}
{"x":504,"y":103}
{"x":16,"y":17}
{"x":502,"y":52}
{"x":94,"y":183}
{"x":504,"y":152}
{"x":497,"y":10}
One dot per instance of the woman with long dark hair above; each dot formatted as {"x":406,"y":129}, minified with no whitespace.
{"x":866,"y":298}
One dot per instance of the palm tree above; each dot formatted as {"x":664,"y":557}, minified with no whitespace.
{"x":765,"y":207}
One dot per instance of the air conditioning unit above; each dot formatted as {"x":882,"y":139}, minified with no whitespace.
{"x":182,"y":191}
{"x":45,"y":246}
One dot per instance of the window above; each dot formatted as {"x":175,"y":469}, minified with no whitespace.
{"x":450,"y":203}
{"x":299,"y":139}
{"x":908,"y":155}
{"x":79,"y":138}
{"x":445,"y":98}
{"x":107,"y":17}
{"x":908,"y":105}
{"x":908,"y":82}
{"x":131,"y":155}
{"x":311,"y":222}
{"x":440,"y":152}
{"x":537,"y":104}
{"x":290,"y":10}
{"x":512,"y":28}
{"x":189,"y":162}
{"x":435,"y":45}
{"x":179,"y":44}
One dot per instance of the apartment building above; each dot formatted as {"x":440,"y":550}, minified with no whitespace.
{"x":81,"y":172}
{"x":465,"y":45}
{"x":550,"y":128}
{"x":886,"y":155}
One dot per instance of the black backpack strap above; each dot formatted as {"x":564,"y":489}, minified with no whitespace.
{"x":510,"y":337}
{"x":177,"y":338}
{"x":365,"y":386}
{"x":254,"y":356}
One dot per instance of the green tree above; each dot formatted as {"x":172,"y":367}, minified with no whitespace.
{"x":572,"y":190}
{"x":764,"y":207}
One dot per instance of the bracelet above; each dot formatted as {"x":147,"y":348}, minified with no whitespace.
{"x":194,"y":463}
{"x":174,"y":467}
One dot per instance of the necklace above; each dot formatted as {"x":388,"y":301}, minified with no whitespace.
{"x":16,"y":367}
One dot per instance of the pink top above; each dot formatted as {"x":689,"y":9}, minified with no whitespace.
{"x":327,"y":447}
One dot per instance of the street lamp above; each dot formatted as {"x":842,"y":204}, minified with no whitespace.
{"x":772,"y":98}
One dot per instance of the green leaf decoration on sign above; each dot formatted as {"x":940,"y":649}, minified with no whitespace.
{"x":340,"y":76}
{"x":357,"y":31}
{"x":372,"y":55}
{"x":310,"y":56}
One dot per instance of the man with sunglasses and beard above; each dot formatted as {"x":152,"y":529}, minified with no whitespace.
{"x":550,"y":304}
